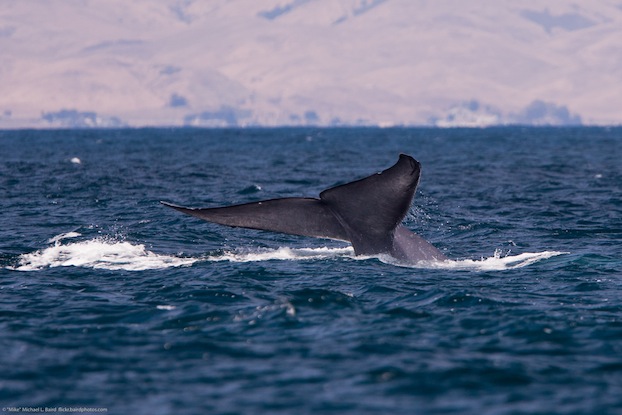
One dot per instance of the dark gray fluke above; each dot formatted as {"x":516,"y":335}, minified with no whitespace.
{"x":367,"y":213}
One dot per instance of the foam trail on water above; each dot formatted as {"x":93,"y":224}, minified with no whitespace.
{"x":98,"y":254}
{"x":283,"y":254}
{"x":493,"y":263}
{"x":102,"y":253}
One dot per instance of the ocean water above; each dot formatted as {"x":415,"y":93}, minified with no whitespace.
{"x":112,"y":302}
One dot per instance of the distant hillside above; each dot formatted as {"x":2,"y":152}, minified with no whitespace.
{"x":309,"y":62}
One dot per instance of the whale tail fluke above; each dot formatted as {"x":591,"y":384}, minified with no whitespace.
{"x":367,"y":213}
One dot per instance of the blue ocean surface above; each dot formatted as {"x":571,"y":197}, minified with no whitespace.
{"x":109,"y":301}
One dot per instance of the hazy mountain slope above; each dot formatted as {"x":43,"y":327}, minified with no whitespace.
{"x":311,"y":62}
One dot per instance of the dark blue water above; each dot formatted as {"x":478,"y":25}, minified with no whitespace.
{"x":110,"y":301}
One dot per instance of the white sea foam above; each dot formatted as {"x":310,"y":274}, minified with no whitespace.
{"x":101,"y":253}
{"x":56,"y":240}
{"x":497,"y":262}
{"x":282,"y":254}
